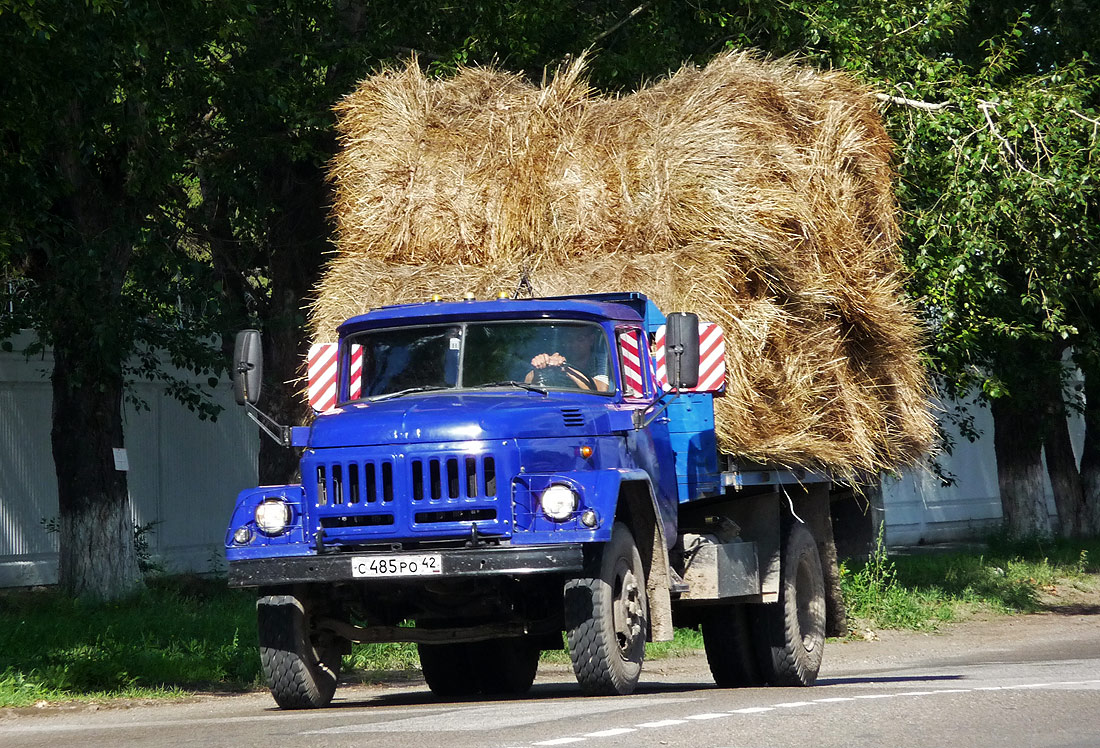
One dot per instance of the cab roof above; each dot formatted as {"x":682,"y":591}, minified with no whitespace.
{"x":625,"y":307}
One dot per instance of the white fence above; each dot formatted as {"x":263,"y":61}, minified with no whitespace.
{"x":921,"y":510}
{"x":184,"y":474}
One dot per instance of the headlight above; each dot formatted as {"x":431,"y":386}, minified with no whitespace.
{"x":272,"y":516}
{"x":559,"y":502}
{"x":243,"y":536}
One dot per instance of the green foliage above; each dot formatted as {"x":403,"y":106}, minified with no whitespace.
{"x":873,"y":596}
{"x":372,"y":659}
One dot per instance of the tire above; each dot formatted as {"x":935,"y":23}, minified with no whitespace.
{"x":301,"y":667}
{"x":506,"y":666}
{"x":450,"y":670}
{"x":606,"y":618}
{"x":495,"y":667}
{"x":791,"y":633}
{"x":728,"y":640}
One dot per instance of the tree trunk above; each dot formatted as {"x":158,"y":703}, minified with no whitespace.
{"x":299,"y":240}
{"x":1018,"y":444}
{"x":1065,"y":479}
{"x":1090,"y":454}
{"x":97,"y":558}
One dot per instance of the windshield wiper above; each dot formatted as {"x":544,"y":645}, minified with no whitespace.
{"x":409,"y":391}
{"x":514,"y":383}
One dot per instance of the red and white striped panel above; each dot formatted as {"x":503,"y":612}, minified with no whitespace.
{"x":322,"y":372}
{"x":712,"y":358}
{"x":355,"y":377}
{"x":632,"y":364}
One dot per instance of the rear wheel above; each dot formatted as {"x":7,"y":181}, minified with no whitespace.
{"x":791,"y":633}
{"x":728,"y":640}
{"x":607,"y":618}
{"x":300,"y":664}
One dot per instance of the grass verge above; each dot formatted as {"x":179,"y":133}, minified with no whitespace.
{"x":180,"y":635}
{"x":923,"y":590}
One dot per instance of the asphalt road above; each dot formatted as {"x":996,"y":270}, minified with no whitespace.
{"x":1029,"y":681}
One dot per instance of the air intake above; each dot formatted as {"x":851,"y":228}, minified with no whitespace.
{"x":572,"y":417}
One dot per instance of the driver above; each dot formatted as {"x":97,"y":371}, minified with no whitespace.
{"x":579,"y":359}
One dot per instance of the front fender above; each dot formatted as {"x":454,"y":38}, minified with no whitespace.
{"x":292,"y":540}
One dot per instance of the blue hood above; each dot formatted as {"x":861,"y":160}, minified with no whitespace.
{"x":456,"y":417}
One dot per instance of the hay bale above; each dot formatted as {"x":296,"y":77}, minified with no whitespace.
{"x":756,"y":193}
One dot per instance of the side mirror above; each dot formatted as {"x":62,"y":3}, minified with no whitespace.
{"x":682,"y":350}
{"x":248,"y":367}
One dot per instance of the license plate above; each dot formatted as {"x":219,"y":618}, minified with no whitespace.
{"x":397,"y":566}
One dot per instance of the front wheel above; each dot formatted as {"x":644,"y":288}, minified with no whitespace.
{"x":606,"y":618}
{"x":507,"y":666}
{"x":494,"y":667}
{"x":791,"y":633}
{"x":449,"y":669}
{"x":301,"y":665}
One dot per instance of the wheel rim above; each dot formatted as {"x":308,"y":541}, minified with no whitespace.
{"x":626,"y":608}
{"x":804,"y":597}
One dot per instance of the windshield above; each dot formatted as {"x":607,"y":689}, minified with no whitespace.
{"x":539,"y":355}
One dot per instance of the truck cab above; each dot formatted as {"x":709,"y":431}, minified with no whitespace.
{"x":489,"y":475}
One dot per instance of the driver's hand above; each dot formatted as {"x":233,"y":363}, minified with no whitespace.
{"x":543,"y":360}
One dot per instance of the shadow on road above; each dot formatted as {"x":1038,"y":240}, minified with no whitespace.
{"x":565,"y":690}
{"x":887,"y":679}
{"x":539,"y":692}
{"x":1071,"y":609}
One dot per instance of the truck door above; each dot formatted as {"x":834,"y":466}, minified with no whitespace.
{"x":650,"y":448}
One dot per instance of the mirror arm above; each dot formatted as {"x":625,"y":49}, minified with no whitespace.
{"x":269,"y":425}
{"x":640,"y":418}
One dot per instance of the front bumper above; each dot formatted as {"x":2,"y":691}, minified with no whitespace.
{"x":456,"y":562}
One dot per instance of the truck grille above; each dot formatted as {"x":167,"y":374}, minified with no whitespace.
{"x":426,"y":491}
{"x":354,"y":482}
{"x":453,"y":477}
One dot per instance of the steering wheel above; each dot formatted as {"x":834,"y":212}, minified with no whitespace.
{"x":556,"y":376}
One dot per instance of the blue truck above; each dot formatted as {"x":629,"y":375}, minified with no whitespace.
{"x":498,"y":472}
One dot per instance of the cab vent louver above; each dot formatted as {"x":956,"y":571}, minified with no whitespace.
{"x":572,"y":416}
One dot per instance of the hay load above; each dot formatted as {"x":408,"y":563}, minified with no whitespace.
{"x":756,"y":193}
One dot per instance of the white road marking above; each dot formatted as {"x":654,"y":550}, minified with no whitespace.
{"x":663,"y":723}
{"x":610,"y":733}
{"x":559,"y":741}
{"x":797,"y":704}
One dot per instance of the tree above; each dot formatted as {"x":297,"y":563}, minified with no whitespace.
{"x":1000,"y":185}
{"x":91,"y":143}
{"x":993,"y":106}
